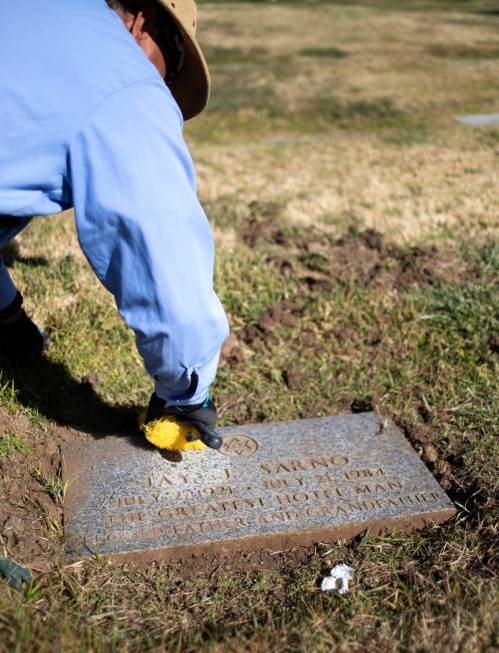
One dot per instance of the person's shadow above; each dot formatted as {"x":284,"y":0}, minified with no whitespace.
{"x":49,"y":388}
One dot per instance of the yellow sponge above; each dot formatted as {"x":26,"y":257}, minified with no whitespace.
{"x":167,"y":433}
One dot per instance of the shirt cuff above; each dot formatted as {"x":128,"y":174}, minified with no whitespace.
{"x":205,"y":374}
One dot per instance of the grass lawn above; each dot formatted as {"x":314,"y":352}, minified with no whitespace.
{"x":358,"y":260}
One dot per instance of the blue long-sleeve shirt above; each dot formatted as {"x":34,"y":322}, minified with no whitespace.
{"x":87,"y":121}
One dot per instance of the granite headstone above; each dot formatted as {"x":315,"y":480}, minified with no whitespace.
{"x":271,"y":486}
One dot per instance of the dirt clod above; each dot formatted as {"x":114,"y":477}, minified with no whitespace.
{"x":418,"y":433}
{"x":284,"y":313}
{"x":430,"y":453}
{"x":293,"y":377}
{"x":364,"y":404}
{"x":493,"y":343}
{"x":318,"y":260}
{"x":232,"y":352}
{"x":92,"y":380}
{"x":27,"y":492}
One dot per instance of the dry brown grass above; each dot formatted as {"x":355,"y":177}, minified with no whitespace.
{"x":407,"y":190}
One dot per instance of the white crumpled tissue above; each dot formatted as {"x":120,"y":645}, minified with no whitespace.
{"x":340,"y":576}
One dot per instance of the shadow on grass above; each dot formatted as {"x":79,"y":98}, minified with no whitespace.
{"x":487,"y":12}
{"x":11,"y":254}
{"x":323,"y":53}
{"x":459,"y":51}
{"x":48,"y":387}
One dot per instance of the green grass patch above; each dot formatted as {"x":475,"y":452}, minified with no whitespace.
{"x":259,"y":110}
{"x":10,"y":444}
{"x":220,"y":56}
{"x":324,"y":53}
{"x":359,"y":114}
{"x":453,"y":51}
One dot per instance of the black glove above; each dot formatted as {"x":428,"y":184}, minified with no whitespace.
{"x":19,"y":336}
{"x":202,"y":417}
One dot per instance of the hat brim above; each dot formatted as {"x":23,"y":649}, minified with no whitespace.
{"x":192,"y":88}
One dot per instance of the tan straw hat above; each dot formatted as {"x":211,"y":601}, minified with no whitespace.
{"x":192,"y":87}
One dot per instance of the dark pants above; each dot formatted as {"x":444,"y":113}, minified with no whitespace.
{"x":10,"y":226}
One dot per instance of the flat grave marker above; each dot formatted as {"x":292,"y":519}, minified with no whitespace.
{"x":480,"y":119}
{"x":270,"y":486}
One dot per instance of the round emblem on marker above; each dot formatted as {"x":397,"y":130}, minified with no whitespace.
{"x":238,"y":445}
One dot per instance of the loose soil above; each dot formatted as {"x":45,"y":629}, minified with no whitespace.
{"x":30,"y":510}
{"x":361,"y":257}
{"x":318,"y":261}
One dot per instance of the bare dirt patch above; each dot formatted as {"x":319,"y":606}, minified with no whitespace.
{"x":364,"y":257}
{"x":31,"y":495}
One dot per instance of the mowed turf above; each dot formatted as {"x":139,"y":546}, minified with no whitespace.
{"x":358,"y":260}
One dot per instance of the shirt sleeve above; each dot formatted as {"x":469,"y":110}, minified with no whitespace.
{"x":146,"y":236}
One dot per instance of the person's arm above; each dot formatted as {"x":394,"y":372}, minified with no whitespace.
{"x":147,"y":238}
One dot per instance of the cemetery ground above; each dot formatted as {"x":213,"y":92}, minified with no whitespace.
{"x":357,"y":257}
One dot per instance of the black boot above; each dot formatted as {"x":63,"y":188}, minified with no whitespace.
{"x":19,"y":336}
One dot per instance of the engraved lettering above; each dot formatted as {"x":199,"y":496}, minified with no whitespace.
{"x":277,"y":517}
{"x":334,"y":460}
{"x":356,"y":506}
{"x":165,"y":481}
{"x":126,"y":517}
{"x":412,"y":499}
{"x":310,"y":495}
{"x":297,"y":466}
{"x":325,"y":510}
{"x":280,"y":483}
{"x":378,"y":487}
{"x":281,"y":467}
{"x":216,"y":490}
{"x":265,"y":468}
{"x":208,"y":526}
{"x":318,"y":462}
{"x":328,"y":492}
{"x":140,"y":534}
{"x":124,"y":502}
{"x":318,"y":511}
{"x":338,"y":461}
{"x":172,"y":513}
{"x":352,"y":474}
{"x":197,"y":510}
{"x":275,"y":484}
{"x":323,"y":478}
